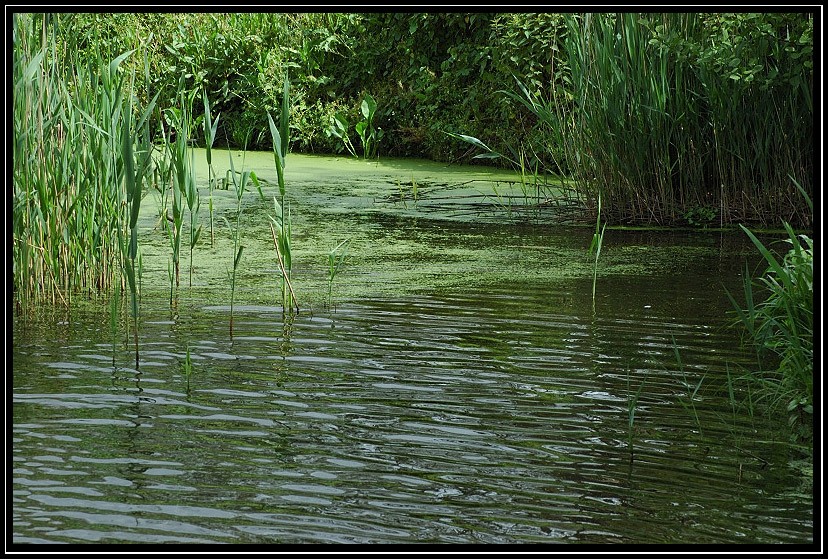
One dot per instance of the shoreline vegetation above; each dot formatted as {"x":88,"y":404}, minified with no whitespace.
{"x":699,"y":120}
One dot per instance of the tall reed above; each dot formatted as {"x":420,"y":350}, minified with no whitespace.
{"x":240,"y":181}
{"x":663,"y":115}
{"x":595,"y":247}
{"x":210,"y":127}
{"x":281,"y":222}
{"x":68,"y":201}
{"x":133,"y":181}
{"x":184,"y":190}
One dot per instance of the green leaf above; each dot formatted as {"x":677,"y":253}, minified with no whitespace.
{"x":471,"y":140}
{"x":284,"y":127}
{"x":113,"y":66}
{"x":32,"y":67}
{"x":238,"y":257}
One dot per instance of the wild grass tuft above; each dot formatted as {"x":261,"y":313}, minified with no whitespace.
{"x":779,"y":322}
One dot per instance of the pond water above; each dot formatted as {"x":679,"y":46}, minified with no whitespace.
{"x":465,"y":388}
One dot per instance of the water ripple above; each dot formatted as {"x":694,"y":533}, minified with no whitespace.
{"x":488,"y":417}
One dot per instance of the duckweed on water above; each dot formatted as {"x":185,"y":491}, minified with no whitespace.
{"x":395,"y":249}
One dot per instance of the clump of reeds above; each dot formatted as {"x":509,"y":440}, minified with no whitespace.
{"x":665,"y":119}
{"x":280,"y":223}
{"x":780,"y":324}
{"x":71,"y":207}
{"x":82,"y":152}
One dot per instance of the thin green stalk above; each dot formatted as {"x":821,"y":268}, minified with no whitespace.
{"x":336,"y":257}
{"x":188,"y":368}
{"x":210,"y":128}
{"x":240,"y":186}
{"x":632,"y":405}
{"x":595,"y":246}
{"x":281,"y":221}
{"x":691,"y":396}
{"x":114,"y":307}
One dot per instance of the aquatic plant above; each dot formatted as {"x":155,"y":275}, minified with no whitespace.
{"x":193,"y":204}
{"x":632,"y":406}
{"x":339,"y":129}
{"x":239,"y":181}
{"x":133,"y":181}
{"x":336,"y":257}
{"x":134,"y":173}
{"x":187,"y":368}
{"x":414,"y":189}
{"x":285,"y":273}
{"x":691,"y":396}
{"x":184,"y":190}
{"x":171,"y":277}
{"x":595,"y":247}
{"x":368,"y":133}
{"x":782,"y":326}
{"x":700,"y":216}
{"x":488,"y":153}
{"x":76,"y":188}
{"x":210,"y":127}
{"x":281,"y":221}
{"x":114,"y":312}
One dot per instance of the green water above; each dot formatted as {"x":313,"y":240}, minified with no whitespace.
{"x":465,"y":389}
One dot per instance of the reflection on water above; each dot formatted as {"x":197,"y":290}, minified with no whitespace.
{"x":467,"y":389}
{"x":486,"y":416}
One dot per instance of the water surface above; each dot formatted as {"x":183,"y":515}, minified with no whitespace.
{"x":466,"y":389}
